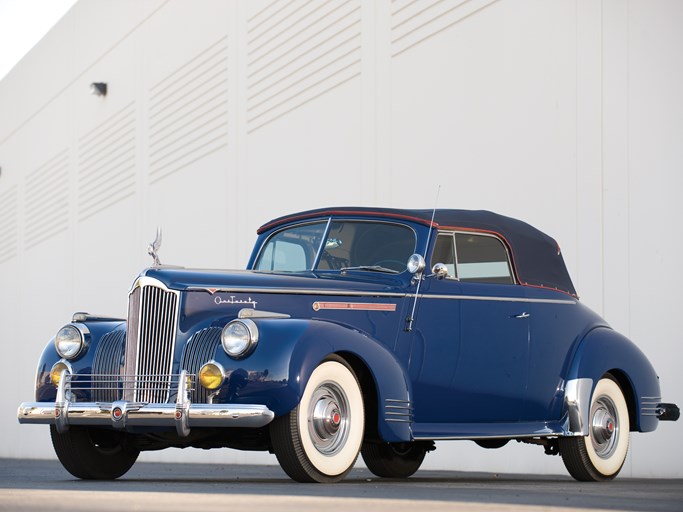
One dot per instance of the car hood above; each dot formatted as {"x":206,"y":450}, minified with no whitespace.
{"x":183,"y":279}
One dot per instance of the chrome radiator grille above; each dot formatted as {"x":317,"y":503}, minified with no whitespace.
{"x":200,"y":349}
{"x":150,"y":341}
{"x":106,"y":366}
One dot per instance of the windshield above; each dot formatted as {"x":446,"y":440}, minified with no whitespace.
{"x":349,"y":245}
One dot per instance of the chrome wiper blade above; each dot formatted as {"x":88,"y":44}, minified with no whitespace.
{"x":372,"y":268}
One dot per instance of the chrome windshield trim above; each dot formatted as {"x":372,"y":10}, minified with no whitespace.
{"x":321,"y":247}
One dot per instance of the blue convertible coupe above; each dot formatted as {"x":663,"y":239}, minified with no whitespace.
{"x":340,"y":339}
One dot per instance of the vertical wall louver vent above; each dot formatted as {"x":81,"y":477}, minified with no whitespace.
{"x":298,"y":51}
{"x":415,"y":21}
{"x":188,"y":112}
{"x":46,"y":204}
{"x":8,"y":224}
{"x":106,"y":163}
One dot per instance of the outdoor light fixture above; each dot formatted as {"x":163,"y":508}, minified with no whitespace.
{"x":98,"y":88}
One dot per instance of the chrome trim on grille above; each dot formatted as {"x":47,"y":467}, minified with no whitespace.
{"x":200,"y":349}
{"x":151,"y":340}
{"x":107,"y":362}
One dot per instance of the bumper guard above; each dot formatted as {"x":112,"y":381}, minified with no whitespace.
{"x":121,"y":414}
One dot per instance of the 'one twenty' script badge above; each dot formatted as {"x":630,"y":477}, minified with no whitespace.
{"x":234,"y":300}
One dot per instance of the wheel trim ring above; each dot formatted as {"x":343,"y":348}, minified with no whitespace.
{"x":603,"y":415}
{"x":328,"y":418}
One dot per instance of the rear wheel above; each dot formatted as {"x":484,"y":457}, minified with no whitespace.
{"x":600,"y":455}
{"x":94,"y":453}
{"x":393,"y":460}
{"x":319,"y":440}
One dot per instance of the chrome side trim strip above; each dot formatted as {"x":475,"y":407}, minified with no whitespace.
{"x":472,"y":431}
{"x":492,"y":436}
{"x":342,"y":293}
{"x":577,"y":398}
{"x":500,"y":299}
{"x":296,"y":291}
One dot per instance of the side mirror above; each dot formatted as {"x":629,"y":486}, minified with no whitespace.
{"x":416,"y":264}
{"x":440,"y":270}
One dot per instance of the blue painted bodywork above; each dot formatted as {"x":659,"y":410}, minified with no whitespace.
{"x":481,"y":359}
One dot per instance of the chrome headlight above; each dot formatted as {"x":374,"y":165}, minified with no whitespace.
{"x":416,"y":264}
{"x":72,"y":340}
{"x":239,"y":338}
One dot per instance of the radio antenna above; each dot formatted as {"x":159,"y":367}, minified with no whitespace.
{"x":411,"y":318}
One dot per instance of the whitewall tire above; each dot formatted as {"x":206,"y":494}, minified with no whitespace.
{"x":600,"y":455}
{"x":320,"y":439}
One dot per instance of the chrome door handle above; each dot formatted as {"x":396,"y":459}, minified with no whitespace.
{"x":522,"y":315}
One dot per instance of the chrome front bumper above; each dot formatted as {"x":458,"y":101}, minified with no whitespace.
{"x":122,"y":414}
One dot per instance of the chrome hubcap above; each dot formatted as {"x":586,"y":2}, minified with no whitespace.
{"x":328,"y":418}
{"x":604,"y":426}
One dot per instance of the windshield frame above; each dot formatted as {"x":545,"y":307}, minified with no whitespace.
{"x":326,"y":232}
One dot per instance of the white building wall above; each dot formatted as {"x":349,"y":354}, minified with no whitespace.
{"x":222,"y":115}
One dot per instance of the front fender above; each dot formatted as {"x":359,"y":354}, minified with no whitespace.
{"x":604,"y":350}
{"x":45,"y":391}
{"x":306,"y":343}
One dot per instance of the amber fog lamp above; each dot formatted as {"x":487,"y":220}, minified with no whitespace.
{"x":211,"y":375}
{"x":56,"y":372}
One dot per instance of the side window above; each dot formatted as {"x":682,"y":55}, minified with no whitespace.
{"x":444,"y":252}
{"x":482,"y":259}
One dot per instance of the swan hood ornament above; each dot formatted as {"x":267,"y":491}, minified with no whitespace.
{"x":153,"y":248}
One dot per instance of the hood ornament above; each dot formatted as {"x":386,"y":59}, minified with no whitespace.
{"x":153,"y":248}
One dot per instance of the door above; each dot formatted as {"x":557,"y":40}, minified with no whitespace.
{"x":467,"y":353}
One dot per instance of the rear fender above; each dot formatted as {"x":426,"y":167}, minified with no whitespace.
{"x":602,"y":351}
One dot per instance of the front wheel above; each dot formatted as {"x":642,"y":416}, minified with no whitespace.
{"x":94,"y":453}
{"x":319,"y":440}
{"x":393,"y":460}
{"x":600,"y":455}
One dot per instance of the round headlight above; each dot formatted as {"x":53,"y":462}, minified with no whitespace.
{"x":56,"y":372}
{"x":211,"y":375}
{"x":239,"y":338}
{"x":416,"y":264}
{"x":70,"y":341}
